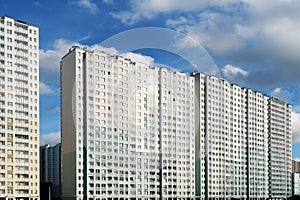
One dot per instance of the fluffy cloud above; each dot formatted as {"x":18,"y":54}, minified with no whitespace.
{"x":230,"y":71}
{"x":296,"y":127}
{"x":281,"y":94}
{"x":88,"y":5}
{"x":141,"y":9}
{"x":234,"y":74}
{"x":148,"y":60}
{"x":50,"y":59}
{"x":50,"y":138}
{"x":260,"y":34}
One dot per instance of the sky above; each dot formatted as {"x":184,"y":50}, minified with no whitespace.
{"x":253,"y":43}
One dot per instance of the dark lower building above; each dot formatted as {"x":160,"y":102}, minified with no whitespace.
{"x":50,"y":166}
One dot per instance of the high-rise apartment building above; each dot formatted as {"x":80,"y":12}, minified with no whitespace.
{"x":280,"y":149}
{"x":238,"y":144}
{"x":257,"y":134}
{"x":19,"y":110}
{"x":50,"y":171}
{"x":176,"y":118}
{"x":127,"y":128}
{"x":110,"y":127}
{"x":134,"y":131}
{"x":224,"y":139}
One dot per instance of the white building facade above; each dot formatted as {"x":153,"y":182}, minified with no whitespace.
{"x":122,"y":128}
{"x":176,"y":118}
{"x":280,"y":149}
{"x":130,"y":130}
{"x":19,"y":110}
{"x":239,"y":137}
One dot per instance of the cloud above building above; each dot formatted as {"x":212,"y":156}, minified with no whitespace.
{"x":50,"y":138}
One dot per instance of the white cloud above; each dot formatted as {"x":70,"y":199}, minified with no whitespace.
{"x":50,"y":138}
{"x":259,"y":33}
{"x":281,"y":94}
{"x":296,"y":127}
{"x":148,"y":9}
{"x":141,"y":9}
{"x":231,"y":72}
{"x":178,"y":22}
{"x":50,"y":59}
{"x":126,"y":17}
{"x":89,"y":5}
{"x":45,"y":89}
{"x":211,"y":29}
{"x":148,"y":60}
{"x":268,"y":40}
{"x":98,"y":47}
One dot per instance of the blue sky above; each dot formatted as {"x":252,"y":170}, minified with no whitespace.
{"x":253,"y":43}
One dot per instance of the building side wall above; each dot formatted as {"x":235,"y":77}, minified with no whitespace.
{"x":68,"y":127}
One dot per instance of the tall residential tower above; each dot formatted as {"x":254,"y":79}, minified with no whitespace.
{"x":130,"y":130}
{"x":243,"y":142}
{"x":127,"y":128}
{"x":19,"y":110}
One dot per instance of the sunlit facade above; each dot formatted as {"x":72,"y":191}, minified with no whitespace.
{"x":243,"y":142}
{"x":133,"y":130}
{"x":123,"y":125}
{"x":19,"y":110}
